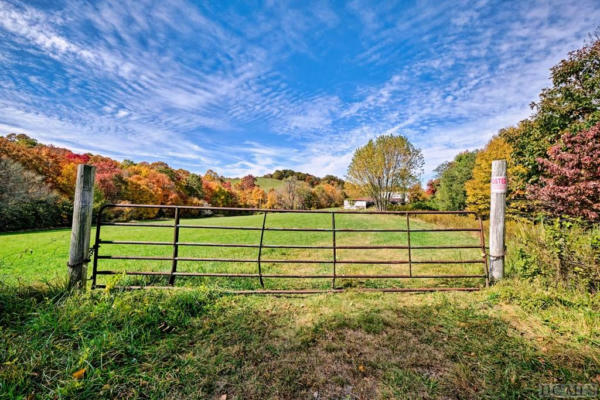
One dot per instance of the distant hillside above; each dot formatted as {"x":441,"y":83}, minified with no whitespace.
{"x":312,"y":180}
{"x":265,"y":183}
{"x":275,"y":180}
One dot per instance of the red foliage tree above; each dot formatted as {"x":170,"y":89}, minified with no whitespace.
{"x":432,"y":185}
{"x":571,"y":181}
{"x":109,"y":178}
{"x":77,"y":158}
{"x":248,"y":182}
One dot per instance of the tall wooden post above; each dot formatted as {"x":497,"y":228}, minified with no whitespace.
{"x":82,"y":222}
{"x":497,"y":209}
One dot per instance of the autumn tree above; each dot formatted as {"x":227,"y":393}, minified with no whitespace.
{"x":328,"y":195}
{"x":289,"y":195}
{"x":352,"y":191}
{"x":569,"y":105}
{"x":22,"y":139}
{"x":451,"y":193}
{"x":140,"y":191}
{"x":432,"y":186}
{"x":211,"y":175}
{"x":478,"y":187}
{"x":32,"y":156}
{"x":218,"y":195}
{"x":416,"y":193}
{"x":248,"y":182}
{"x":383,"y":166}
{"x":332,"y":179}
{"x":17,"y":184}
{"x":273,"y":200}
{"x":572,"y":103}
{"x":109,"y":178}
{"x":570,"y":184}
{"x":127,"y":163}
{"x":258,"y":197}
{"x":307,"y":199}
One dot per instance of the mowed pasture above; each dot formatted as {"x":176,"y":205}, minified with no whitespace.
{"x":40,"y":256}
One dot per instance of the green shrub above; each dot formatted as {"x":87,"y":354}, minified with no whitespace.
{"x":563,"y":252}
{"x":26,"y":202}
{"x":526,"y":264}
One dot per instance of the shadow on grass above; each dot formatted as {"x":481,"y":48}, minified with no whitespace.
{"x":198,"y":344}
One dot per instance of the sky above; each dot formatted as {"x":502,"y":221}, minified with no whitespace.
{"x":250,"y":87}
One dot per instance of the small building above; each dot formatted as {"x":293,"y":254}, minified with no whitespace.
{"x":399,"y":198}
{"x":358,"y":204}
{"x":361,"y":203}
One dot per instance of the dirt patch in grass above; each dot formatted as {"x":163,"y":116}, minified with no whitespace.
{"x":378,"y":349}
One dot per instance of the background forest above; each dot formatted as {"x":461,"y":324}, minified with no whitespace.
{"x":38,"y":181}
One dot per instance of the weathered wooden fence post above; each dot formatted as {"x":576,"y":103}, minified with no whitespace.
{"x":82,"y":222}
{"x":497,"y":209}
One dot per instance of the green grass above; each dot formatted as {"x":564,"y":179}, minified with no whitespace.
{"x":41,"y":256}
{"x":199,"y":344}
{"x":265,"y":183}
{"x":500,"y":342}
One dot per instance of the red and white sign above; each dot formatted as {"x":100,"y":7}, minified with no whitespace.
{"x":498,"y":184}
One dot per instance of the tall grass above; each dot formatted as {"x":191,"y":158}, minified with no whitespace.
{"x":562,"y":253}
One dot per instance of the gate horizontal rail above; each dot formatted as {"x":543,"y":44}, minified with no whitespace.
{"x":250,"y":228}
{"x":267,"y":246}
{"x":334,"y":261}
{"x":321,"y":276}
{"x":245,"y":260}
{"x":308,"y":291}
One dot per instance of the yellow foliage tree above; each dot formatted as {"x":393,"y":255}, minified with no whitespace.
{"x":258,"y":197}
{"x":272,"y":199}
{"x":478,"y":188}
{"x":383,"y":166}
{"x":352,"y":191}
{"x":66,"y":179}
{"x":416,"y":193}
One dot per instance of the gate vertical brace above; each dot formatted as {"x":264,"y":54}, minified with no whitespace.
{"x":334,"y":248}
{"x":262,"y":235}
{"x":96,"y":247}
{"x":483,"y":253}
{"x":409,"y":247}
{"x":175,"y":247}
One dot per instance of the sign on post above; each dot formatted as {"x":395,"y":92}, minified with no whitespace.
{"x":498,"y":184}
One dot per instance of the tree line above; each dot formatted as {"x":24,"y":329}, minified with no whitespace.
{"x":37,"y":184}
{"x":553,"y":156}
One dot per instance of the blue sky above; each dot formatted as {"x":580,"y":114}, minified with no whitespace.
{"x":242,"y":88}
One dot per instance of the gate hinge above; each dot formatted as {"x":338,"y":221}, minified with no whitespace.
{"x":84,"y":261}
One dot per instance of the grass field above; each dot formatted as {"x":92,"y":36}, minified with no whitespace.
{"x":41,"y":256}
{"x":265,"y":183}
{"x":500,"y":342}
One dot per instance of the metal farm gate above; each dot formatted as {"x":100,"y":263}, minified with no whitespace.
{"x":101,"y":246}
